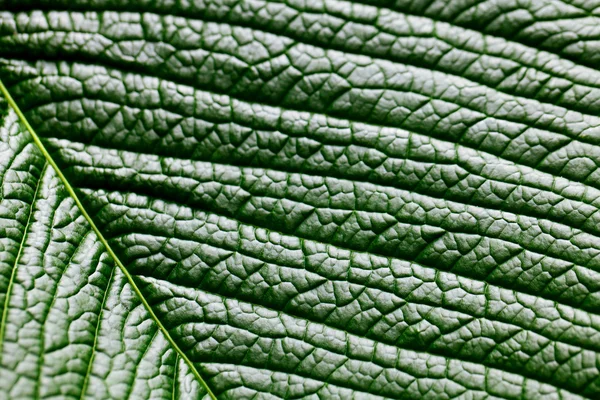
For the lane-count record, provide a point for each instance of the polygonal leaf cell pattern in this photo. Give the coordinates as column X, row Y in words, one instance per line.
column 300, row 199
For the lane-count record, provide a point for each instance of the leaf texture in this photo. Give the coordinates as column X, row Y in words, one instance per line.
column 261, row 199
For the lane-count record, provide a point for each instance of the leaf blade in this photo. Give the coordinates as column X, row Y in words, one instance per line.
column 428, row 207
column 99, row 235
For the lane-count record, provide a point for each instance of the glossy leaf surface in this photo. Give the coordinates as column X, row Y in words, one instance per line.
column 261, row 199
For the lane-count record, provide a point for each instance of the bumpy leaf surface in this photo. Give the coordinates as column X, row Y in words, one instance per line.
column 289, row 199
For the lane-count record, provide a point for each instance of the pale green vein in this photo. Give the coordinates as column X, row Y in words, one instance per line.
column 174, row 391
column 55, row 295
column 19, row 253
column 90, row 363
column 101, row 237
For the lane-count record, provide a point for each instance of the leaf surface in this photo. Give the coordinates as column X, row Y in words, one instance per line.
column 282, row 199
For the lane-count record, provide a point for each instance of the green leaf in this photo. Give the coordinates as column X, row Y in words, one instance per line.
column 260, row 199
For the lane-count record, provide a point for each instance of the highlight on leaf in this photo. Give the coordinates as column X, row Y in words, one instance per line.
column 328, row 199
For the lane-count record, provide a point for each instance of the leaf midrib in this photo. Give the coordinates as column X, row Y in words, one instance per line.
column 101, row 237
